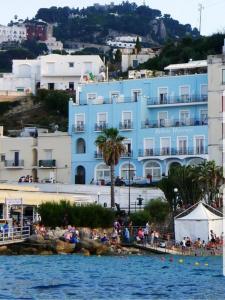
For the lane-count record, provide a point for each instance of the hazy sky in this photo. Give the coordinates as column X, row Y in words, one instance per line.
column 185, row 11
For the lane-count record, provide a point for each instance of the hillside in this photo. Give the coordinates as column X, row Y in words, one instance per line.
column 96, row 24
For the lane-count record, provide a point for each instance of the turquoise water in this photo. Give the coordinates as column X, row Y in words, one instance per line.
column 133, row 277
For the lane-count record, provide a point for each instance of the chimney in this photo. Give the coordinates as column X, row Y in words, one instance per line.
column 1, row 131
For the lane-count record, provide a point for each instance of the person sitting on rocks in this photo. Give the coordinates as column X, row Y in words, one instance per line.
column 140, row 235
column 115, row 236
column 104, row 239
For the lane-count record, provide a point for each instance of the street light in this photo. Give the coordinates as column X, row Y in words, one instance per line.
column 129, row 187
column 175, row 200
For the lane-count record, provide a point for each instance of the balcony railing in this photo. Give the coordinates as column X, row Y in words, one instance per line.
column 127, row 154
column 47, row 163
column 167, row 151
column 98, row 155
column 79, row 127
column 103, row 100
column 100, row 126
column 126, row 125
column 177, row 99
column 173, row 123
column 14, row 163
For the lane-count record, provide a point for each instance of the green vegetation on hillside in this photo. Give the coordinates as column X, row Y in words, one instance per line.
column 95, row 24
column 186, row 49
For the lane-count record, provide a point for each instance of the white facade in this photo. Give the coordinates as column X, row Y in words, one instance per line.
column 50, row 72
column 46, row 158
column 12, row 33
column 133, row 60
column 216, row 107
column 52, row 44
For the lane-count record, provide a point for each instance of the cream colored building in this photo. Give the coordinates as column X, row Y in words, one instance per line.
column 216, row 107
column 13, row 33
column 47, row 157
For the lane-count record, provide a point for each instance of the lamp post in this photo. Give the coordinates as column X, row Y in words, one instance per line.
column 129, row 187
column 175, row 200
column 98, row 196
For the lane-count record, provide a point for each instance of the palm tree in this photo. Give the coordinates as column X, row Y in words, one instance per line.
column 110, row 143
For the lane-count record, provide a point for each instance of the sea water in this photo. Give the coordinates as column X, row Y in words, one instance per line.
column 125, row 277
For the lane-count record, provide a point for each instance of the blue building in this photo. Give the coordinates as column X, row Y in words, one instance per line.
column 164, row 120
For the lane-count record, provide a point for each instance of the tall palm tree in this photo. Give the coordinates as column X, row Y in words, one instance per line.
column 110, row 143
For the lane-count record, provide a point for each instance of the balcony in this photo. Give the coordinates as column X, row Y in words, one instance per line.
column 98, row 155
column 167, row 151
column 173, row 123
column 14, row 164
column 100, row 126
column 78, row 128
column 47, row 163
column 126, row 125
column 177, row 100
column 103, row 100
column 127, row 154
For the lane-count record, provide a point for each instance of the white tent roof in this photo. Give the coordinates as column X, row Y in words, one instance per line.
column 190, row 65
column 200, row 213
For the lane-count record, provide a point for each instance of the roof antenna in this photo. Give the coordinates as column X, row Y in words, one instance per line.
column 200, row 9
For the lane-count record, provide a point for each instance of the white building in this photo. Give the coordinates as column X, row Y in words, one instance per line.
column 216, row 107
column 47, row 157
column 123, row 42
column 13, row 33
column 131, row 60
column 52, row 71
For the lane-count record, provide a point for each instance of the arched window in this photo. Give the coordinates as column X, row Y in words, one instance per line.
column 195, row 161
column 81, row 147
column 125, row 168
column 102, row 172
column 153, row 168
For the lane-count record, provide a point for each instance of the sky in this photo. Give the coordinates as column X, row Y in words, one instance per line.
column 185, row 11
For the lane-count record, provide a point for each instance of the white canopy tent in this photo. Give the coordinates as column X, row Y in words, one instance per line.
column 197, row 224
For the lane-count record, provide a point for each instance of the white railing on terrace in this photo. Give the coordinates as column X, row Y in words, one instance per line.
column 13, row 234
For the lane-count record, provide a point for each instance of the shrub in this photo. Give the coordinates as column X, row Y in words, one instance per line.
column 92, row 215
column 139, row 218
column 158, row 210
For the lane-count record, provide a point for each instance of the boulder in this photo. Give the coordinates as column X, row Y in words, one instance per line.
column 36, row 238
column 85, row 252
column 64, row 247
column 4, row 250
column 46, row 252
column 94, row 247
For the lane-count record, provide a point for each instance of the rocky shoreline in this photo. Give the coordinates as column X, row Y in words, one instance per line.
column 53, row 244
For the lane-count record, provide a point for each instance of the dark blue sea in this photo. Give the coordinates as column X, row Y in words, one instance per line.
column 132, row 277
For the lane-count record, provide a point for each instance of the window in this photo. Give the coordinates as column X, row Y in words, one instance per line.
column 92, row 97
column 153, row 169
column 199, row 145
column 165, row 146
column 102, row 119
column 128, row 149
column 71, row 86
column 204, row 92
column 126, row 119
column 184, row 117
column 182, row 145
column 127, row 171
column 204, row 116
column 162, row 118
column 184, row 93
column 79, row 122
column 81, row 147
column 115, row 96
column 223, row 76
column 148, row 147
column 71, row 65
column 135, row 95
column 48, row 154
column 2, row 157
column 163, row 95
column 102, row 172
column 135, row 63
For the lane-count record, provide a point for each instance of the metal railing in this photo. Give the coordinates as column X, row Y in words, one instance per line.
column 100, row 126
column 103, row 100
column 79, row 127
column 47, row 163
column 177, row 99
column 98, row 155
column 166, row 151
column 126, row 125
column 14, row 163
column 173, row 123
column 14, row 233
column 127, row 154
